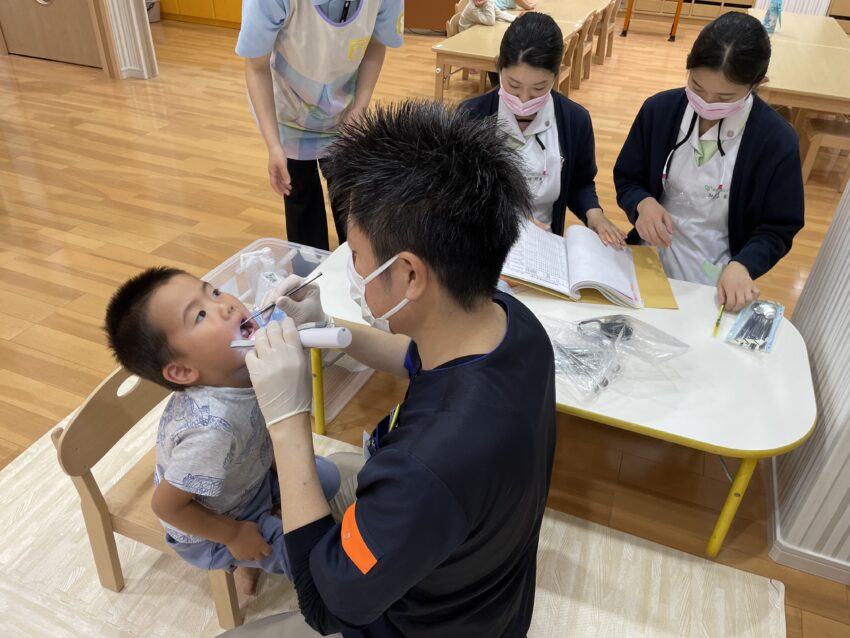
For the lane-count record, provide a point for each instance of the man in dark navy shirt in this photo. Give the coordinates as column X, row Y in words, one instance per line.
column 442, row 539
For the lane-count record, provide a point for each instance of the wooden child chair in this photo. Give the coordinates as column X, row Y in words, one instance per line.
column 453, row 28
column 106, row 416
column 829, row 133
column 605, row 32
column 570, row 44
column 584, row 50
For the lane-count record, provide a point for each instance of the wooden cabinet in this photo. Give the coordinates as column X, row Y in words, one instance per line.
column 197, row 8
column 700, row 9
column 220, row 12
column 428, row 14
column 647, row 6
column 706, row 9
column 228, row 10
column 669, row 7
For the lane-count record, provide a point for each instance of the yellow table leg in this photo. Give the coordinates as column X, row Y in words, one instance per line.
column 733, row 500
column 318, row 390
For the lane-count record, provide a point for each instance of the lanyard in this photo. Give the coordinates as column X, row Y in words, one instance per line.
column 344, row 16
column 665, row 171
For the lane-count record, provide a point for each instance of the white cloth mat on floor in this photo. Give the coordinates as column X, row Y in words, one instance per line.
column 592, row 581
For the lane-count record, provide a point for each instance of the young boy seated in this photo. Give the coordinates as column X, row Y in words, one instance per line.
column 482, row 12
column 216, row 487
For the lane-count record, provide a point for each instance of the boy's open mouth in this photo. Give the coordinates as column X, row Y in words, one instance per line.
column 248, row 329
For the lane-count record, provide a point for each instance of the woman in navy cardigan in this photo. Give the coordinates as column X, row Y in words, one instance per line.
column 710, row 173
column 553, row 135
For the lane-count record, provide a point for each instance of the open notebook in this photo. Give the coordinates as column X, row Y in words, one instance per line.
column 566, row 265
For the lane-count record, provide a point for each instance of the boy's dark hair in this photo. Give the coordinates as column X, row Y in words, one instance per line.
column 736, row 44
column 138, row 345
column 417, row 176
column 534, row 39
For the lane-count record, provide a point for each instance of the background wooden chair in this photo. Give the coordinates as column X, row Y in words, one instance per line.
column 452, row 28
column 570, row 44
column 108, row 414
column 820, row 132
column 584, row 50
column 605, row 32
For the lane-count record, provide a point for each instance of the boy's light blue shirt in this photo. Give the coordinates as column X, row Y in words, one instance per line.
column 506, row 5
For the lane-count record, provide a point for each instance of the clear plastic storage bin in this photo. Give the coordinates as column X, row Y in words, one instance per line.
column 343, row 377
column 289, row 258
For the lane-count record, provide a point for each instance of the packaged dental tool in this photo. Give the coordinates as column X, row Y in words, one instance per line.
column 634, row 337
column 585, row 363
column 756, row 326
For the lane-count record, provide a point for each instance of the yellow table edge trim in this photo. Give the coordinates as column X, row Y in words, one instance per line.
column 682, row 440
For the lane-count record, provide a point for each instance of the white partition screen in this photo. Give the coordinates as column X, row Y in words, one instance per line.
column 810, row 487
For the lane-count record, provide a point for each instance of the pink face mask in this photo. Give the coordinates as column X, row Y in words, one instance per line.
column 714, row 110
column 523, row 109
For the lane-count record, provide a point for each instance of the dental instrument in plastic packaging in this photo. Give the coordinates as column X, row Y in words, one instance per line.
column 756, row 326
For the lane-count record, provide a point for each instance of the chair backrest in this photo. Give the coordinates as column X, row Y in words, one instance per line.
column 570, row 45
column 452, row 25
column 585, row 34
column 104, row 418
column 591, row 21
column 610, row 20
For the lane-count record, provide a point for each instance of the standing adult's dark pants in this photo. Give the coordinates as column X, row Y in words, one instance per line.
column 306, row 220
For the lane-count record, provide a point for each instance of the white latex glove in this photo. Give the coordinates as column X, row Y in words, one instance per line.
column 305, row 306
column 280, row 372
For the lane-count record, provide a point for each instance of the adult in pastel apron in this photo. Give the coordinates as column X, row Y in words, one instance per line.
column 311, row 66
column 710, row 174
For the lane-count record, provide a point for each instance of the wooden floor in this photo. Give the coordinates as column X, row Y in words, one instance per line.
column 99, row 179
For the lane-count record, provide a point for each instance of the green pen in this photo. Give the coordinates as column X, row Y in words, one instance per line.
column 719, row 317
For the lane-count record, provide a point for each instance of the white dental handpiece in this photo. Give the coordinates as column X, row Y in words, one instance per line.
column 311, row 338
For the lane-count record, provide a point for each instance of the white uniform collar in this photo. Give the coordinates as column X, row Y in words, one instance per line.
column 544, row 120
column 731, row 128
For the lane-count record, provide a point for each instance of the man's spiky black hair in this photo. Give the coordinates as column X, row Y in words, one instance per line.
column 417, row 176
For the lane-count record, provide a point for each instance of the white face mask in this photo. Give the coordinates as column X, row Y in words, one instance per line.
column 358, row 294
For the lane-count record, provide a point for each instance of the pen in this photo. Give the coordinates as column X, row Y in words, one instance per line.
column 719, row 317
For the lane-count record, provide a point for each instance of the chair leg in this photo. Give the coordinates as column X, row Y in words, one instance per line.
column 813, row 147
column 609, row 50
column 464, row 74
column 482, row 81
column 101, row 536
column 226, row 601
column 599, row 57
column 843, row 185
column 575, row 72
column 587, row 62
